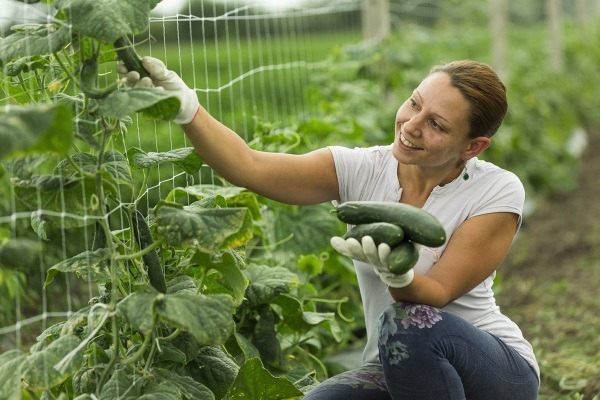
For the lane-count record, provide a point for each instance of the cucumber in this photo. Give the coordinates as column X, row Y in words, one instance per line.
column 418, row 225
column 381, row 232
column 403, row 257
column 142, row 234
column 128, row 55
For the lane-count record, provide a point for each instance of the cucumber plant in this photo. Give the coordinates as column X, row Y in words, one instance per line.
column 179, row 309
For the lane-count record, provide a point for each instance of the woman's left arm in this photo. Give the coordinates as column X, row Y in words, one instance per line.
column 474, row 252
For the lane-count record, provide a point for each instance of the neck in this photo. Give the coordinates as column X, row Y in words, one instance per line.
column 418, row 182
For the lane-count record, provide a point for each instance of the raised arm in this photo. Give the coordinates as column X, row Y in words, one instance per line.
column 295, row 179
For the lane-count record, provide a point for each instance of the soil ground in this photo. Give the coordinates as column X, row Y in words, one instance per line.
column 549, row 284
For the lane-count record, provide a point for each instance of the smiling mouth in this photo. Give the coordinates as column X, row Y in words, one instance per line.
column 408, row 144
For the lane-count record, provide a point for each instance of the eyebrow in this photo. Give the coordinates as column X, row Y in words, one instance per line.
column 436, row 114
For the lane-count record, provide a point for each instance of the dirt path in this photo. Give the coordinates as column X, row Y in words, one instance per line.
column 551, row 282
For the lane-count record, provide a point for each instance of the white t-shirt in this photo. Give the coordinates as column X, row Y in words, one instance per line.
column 372, row 174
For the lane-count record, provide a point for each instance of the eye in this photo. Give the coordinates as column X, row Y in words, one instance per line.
column 436, row 126
column 413, row 103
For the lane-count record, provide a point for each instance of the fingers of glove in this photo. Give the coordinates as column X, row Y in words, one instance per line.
column 356, row 250
column 369, row 249
column 132, row 78
column 156, row 68
column 384, row 251
column 340, row 245
column 145, row 82
column 122, row 69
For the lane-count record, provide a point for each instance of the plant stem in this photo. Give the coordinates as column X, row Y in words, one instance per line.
column 172, row 336
column 115, row 356
column 138, row 354
column 150, row 356
column 141, row 253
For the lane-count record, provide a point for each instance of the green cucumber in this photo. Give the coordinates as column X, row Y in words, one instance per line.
column 381, row 232
column 142, row 234
column 403, row 257
column 128, row 56
column 418, row 225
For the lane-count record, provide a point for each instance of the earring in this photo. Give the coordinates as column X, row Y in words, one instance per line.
column 466, row 176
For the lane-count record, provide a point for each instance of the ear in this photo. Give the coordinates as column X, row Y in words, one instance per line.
column 475, row 147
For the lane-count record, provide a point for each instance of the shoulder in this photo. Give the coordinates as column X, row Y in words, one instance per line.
column 373, row 151
column 496, row 185
column 361, row 155
column 485, row 173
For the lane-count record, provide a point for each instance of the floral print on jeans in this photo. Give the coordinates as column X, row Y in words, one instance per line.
column 408, row 314
column 368, row 377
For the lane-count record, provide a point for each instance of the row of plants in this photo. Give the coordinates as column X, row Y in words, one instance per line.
column 187, row 301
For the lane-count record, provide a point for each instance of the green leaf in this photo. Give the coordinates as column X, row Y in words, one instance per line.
column 170, row 354
column 45, row 39
column 294, row 315
column 209, row 229
column 122, row 385
column 235, row 196
column 185, row 158
column 216, row 369
column 115, row 167
column 25, row 64
column 24, row 167
column 36, row 129
column 256, row 383
column 93, row 266
column 266, row 283
column 151, row 102
column 20, row 252
column 207, row 318
column 39, row 372
column 185, row 385
column 138, row 308
column 182, row 284
column 248, row 349
column 164, row 390
column 11, row 365
column 107, row 20
column 310, row 264
column 229, row 267
column 266, row 341
column 188, row 345
column 61, row 202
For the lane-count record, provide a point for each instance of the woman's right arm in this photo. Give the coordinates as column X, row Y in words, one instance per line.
column 295, row 179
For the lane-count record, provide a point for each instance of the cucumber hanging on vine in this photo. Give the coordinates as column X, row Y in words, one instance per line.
column 130, row 58
column 143, row 236
column 99, row 241
column 88, row 80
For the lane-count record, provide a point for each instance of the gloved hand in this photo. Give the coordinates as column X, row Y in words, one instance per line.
column 161, row 77
column 368, row 252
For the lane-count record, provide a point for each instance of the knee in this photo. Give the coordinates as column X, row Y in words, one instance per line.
column 407, row 319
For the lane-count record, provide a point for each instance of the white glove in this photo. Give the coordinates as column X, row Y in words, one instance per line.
column 368, row 252
column 161, row 77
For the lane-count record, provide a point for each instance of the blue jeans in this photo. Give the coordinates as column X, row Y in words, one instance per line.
column 426, row 354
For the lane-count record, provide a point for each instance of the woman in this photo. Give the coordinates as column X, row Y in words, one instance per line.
column 435, row 332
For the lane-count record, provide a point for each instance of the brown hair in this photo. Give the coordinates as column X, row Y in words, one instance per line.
column 483, row 90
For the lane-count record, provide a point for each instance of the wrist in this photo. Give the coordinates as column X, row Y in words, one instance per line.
column 397, row 281
column 189, row 107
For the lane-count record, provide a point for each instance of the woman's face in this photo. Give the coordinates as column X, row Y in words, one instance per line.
column 432, row 125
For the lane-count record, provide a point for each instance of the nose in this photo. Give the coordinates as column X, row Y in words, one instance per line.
column 412, row 126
